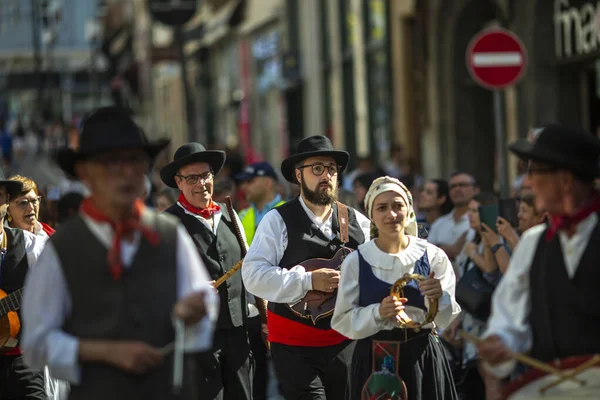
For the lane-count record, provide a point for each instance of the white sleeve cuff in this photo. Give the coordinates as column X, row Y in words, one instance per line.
column 63, row 356
column 307, row 282
column 199, row 337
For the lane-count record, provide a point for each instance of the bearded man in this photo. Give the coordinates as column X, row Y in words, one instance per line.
column 311, row 360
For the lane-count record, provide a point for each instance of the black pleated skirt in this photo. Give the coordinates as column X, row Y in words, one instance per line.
column 422, row 365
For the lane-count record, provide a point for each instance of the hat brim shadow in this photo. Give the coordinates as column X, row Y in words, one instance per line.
column 214, row 158
column 288, row 165
column 68, row 158
column 525, row 150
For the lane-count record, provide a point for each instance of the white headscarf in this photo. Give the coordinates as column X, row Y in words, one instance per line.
column 389, row 184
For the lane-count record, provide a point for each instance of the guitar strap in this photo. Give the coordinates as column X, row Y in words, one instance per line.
column 238, row 232
column 343, row 221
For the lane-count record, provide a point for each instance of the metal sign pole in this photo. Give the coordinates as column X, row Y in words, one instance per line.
column 501, row 148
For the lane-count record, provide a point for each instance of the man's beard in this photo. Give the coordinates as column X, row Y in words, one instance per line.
column 318, row 197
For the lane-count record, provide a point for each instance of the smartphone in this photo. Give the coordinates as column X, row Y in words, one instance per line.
column 489, row 215
column 509, row 211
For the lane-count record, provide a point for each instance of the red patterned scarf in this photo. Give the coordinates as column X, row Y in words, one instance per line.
column 122, row 229
column 205, row 213
column 563, row 222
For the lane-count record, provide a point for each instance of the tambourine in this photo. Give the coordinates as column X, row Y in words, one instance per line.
column 404, row 321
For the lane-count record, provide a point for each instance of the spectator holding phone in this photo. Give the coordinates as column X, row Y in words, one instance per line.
column 529, row 216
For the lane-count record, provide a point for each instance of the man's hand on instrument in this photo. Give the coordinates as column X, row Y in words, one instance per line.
column 134, row 357
column 493, row 350
column 390, row 307
column 431, row 288
column 325, row 279
column 191, row 308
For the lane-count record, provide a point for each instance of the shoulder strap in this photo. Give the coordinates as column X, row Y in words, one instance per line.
column 238, row 232
column 343, row 221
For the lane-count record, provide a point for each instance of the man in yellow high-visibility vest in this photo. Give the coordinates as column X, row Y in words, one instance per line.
column 259, row 183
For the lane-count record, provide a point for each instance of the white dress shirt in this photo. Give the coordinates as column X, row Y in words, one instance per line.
column 357, row 322
column 38, row 230
column 261, row 273
column 47, row 303
column 511, row 302
column 446, row 230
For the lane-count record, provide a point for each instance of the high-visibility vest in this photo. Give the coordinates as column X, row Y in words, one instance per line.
column 248, row 218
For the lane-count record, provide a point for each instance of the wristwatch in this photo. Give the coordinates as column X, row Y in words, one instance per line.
column 496, row 247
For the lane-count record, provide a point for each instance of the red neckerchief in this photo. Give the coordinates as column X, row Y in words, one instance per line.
column 562, row 222
column 121, row 229
column 205, row 213
column 47, row 228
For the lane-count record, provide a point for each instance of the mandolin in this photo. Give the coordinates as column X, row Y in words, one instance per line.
column 10, row 325
column 315, row 304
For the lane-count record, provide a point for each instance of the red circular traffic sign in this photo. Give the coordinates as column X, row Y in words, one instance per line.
column 496, row 58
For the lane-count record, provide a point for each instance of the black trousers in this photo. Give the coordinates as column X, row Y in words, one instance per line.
column 18, row 381
column 259, row 351
column 313, row 373
column 226, row 372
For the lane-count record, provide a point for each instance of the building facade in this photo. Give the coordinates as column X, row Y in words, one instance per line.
column 46, row 53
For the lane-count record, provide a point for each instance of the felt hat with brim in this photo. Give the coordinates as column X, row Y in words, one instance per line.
column 104, row 130
column 313, row 146
column 191, row 153
column 563, row 147
column 13, row 188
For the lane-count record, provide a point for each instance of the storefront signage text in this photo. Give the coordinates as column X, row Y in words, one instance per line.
column 576, row 28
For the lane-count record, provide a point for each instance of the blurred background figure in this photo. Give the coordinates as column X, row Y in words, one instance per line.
column 68, row 206
column 165, row 198
column 224, row 187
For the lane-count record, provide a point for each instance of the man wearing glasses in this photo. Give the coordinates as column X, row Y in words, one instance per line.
column 311, row 360
column 225, row 372
column 547, row 303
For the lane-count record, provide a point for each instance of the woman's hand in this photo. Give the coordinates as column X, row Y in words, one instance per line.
column 470, row 249
column 431, row 288
column 489, row 237
column 506, row 230
column 390, row 307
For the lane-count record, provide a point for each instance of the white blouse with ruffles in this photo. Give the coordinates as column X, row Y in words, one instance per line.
column 357, row 322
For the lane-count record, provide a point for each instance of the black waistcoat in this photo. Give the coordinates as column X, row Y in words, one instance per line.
column 15, row 265
column 136, row 307
column 565, row 312
column 219, row 253
column 306, row 241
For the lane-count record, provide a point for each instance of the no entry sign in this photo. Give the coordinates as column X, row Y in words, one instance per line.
column 496, row 58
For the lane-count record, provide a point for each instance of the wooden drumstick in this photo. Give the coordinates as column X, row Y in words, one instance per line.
column 529, row 361
column 572, row 374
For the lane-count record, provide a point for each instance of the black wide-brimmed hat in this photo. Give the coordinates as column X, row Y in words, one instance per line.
column 13, row 188
column 313, row 146
column 104, row 130
column 570, row 148
column 191, row 153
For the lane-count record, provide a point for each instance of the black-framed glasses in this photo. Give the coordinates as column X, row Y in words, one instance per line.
column 462, row 185
column 532, row 170
column 24, row 203
column 318, row 169
column 194, row 178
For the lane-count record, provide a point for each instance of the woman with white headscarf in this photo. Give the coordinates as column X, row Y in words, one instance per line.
column 366, row 312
